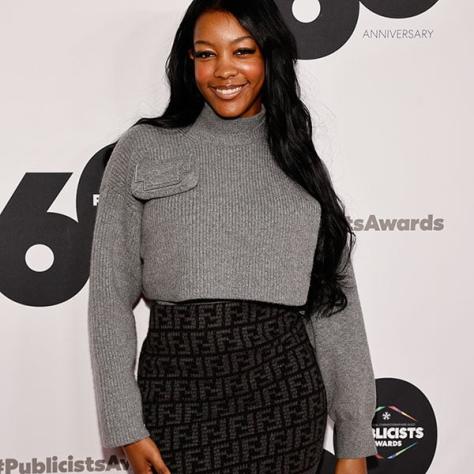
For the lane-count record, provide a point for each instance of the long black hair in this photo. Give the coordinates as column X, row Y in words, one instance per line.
column 289, row 132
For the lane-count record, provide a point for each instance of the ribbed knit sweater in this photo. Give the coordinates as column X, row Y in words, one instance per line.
column 205, row 212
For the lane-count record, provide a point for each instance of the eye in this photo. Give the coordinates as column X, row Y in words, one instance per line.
column 246, row 50
column 239, row 52
column 202, row 54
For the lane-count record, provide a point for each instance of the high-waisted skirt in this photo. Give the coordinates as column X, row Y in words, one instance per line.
column 232, row 386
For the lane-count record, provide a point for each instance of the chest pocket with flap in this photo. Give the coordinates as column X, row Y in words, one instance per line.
column 157, row 176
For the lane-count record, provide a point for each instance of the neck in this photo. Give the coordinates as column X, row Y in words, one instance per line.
column 211, row 127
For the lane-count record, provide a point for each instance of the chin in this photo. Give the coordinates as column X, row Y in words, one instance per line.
column 228, row 109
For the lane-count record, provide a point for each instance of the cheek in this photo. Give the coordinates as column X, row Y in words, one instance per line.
column 202, row 73
column 254, row 72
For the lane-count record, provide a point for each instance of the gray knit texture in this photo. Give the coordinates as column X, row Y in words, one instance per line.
column 205, row 212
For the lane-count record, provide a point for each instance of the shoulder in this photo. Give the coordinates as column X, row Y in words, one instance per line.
column 144, row 136
column 136, row 146
column 141, row 140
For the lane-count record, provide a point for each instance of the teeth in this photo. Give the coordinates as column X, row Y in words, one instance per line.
column 229, row 91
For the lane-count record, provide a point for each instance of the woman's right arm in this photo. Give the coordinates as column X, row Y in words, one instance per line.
column 114, row 287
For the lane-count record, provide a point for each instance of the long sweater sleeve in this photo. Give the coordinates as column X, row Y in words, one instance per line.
column 115, row 285
column 343, row 355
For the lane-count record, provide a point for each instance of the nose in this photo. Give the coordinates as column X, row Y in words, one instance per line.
column 225, row 67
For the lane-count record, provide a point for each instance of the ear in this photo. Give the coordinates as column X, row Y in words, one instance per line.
column 190, row 54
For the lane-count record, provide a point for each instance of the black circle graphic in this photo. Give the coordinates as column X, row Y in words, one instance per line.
column 398, row 8
column 405, row 429
column 327, row 33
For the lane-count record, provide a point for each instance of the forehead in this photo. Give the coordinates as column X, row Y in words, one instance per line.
column 218, row 27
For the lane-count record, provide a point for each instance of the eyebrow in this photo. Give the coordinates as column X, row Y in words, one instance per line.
column 233, row 41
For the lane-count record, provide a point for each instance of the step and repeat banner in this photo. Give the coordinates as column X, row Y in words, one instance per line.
column 389, row 86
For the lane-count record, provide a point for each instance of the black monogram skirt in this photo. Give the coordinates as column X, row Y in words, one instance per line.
column 232, row 386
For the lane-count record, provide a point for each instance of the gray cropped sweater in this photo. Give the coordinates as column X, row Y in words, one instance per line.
column 204, row 212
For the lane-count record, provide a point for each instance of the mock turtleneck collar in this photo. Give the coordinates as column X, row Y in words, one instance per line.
column 211, row 127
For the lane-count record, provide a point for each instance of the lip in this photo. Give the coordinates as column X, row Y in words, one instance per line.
column 228, row 96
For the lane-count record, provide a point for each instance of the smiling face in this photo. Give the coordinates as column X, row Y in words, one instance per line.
column 229, row 67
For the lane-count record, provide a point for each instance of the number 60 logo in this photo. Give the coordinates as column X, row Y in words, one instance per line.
column 337, row 21
column 25, row 222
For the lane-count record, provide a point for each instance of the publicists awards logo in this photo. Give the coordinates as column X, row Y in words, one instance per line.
column 404, row 427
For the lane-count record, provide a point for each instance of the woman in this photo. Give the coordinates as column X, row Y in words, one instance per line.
column 222, row 214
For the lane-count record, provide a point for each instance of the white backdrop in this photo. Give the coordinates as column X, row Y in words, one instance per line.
column 393, row 121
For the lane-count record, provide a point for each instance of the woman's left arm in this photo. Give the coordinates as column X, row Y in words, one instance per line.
column 351, row 466
column 343, row 356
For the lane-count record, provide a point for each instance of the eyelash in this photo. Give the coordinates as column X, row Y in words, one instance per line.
column 200, row 54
